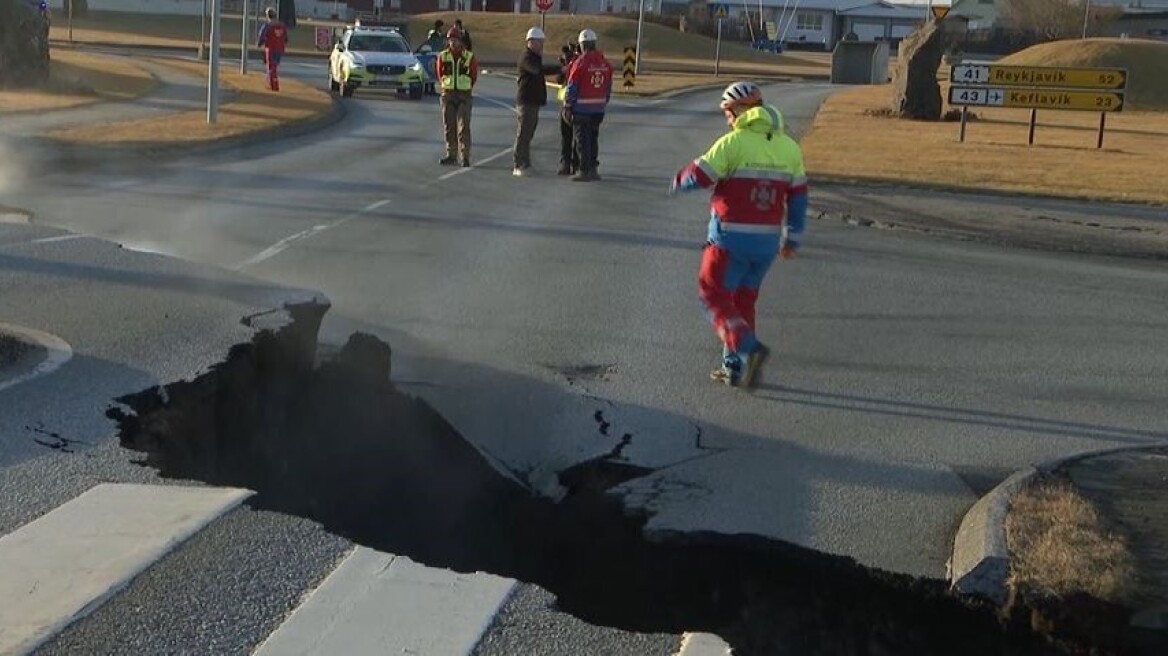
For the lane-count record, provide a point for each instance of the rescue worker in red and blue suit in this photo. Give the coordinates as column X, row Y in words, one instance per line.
column 759, row 184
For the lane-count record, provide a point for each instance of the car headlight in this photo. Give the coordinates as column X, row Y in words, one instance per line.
column 417, row 66
column 356, row 65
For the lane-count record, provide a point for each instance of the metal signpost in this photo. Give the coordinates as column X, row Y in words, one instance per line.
column 721, row 11
column 243, row 43
column 543, row 6
column 1038, row 87
column 213, row 67
column 637, row 50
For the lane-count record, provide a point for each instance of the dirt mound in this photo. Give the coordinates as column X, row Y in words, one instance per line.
column 1146, row 63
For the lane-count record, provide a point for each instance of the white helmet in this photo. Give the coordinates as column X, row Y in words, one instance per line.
column 534, row 33
column 741, row 92
column 587, row 36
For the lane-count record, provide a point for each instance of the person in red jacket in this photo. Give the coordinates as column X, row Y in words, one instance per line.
column 587, row 94
column 273, row 39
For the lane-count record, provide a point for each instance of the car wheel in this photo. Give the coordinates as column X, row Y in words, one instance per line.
column 347, row 91
column 416, row 92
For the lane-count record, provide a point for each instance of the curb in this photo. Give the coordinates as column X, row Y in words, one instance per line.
column 57, row 353
column 885, row 183
column 980, row 563
column 74, row 157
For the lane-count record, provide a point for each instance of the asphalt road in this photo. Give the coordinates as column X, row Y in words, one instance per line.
column 910, row 374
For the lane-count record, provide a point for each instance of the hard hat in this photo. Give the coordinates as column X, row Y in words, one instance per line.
column 454, row 33
column 741, row 93
column 587, row 36
column 534, row 33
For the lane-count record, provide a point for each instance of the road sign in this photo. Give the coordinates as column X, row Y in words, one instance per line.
column 940, row 12
column 544, row 5
column 721, row 11
column 1092, row 101
column 1039, row 76
column 630, row 67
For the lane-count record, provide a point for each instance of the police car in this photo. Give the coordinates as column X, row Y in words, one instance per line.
column 376, row 56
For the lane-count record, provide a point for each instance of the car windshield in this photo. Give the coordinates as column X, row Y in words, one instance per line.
column 378, row 43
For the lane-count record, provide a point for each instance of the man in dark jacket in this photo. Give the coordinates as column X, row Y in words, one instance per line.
column 530, row 97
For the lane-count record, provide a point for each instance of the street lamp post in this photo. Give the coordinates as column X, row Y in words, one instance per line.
column 243, row 42
column 202, row 31
column 1086, row 16
column 640, row 24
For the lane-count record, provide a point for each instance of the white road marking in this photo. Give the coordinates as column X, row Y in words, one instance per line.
column 703, row 644
column 52, row 240
column 59, row 352
column 500, row 103
column 460, row 171
column 60, row 567
column 283, row 245
column 376, row 603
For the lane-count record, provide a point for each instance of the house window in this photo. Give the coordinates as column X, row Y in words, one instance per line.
column 809, row 22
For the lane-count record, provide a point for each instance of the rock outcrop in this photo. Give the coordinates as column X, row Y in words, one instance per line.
column 916, row 93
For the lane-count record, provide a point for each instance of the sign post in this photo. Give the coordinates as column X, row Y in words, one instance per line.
column 243, row 42
column 640, row 25
column 1100, row 90
column 630, row 68
column 721, row 11
column 213, row 67
column 543, row 6
column 718, row 49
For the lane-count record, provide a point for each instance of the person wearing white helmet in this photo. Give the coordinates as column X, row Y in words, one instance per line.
column 530, row 97
column 585, row 99
column 758, row 210
column 740, row 97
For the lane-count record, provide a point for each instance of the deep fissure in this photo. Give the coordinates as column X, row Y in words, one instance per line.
column 336, row 442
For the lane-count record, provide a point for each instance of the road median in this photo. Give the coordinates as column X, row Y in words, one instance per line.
column 253, row 113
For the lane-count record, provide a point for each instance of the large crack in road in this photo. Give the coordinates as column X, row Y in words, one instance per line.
column 336, row 442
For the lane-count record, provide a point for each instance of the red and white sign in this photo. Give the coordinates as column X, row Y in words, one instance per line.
column 544, row 5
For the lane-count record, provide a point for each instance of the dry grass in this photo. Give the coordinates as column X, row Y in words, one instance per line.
column 1146, row 62
column 159, row 30
column 649, row 84
column 254, row 109
column 845, row 142
column 78, row 78
column 499, row 37
column 1059, row 544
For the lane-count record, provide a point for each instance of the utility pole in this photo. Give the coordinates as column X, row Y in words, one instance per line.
column 1086, row 16
column 213, row 67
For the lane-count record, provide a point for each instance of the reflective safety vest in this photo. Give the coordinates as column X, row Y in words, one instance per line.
column 456, row 72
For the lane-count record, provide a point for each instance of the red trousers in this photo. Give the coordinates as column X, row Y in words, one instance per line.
column 272, row 60
column 728, row 285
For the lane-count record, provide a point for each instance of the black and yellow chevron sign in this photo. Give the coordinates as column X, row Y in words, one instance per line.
column 630, row 67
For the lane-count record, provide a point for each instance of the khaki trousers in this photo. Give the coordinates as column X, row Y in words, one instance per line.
column 456, row 106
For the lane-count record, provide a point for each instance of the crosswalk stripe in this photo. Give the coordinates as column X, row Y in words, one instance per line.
column 59, row 567
column 703, row 644
column 377, row 603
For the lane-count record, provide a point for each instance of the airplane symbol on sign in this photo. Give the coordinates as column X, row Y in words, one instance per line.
column 995, row 96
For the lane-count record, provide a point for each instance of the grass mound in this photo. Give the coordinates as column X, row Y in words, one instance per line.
column 1146, row 62
column 497, row 35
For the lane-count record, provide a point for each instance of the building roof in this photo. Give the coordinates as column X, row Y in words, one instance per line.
column 885, row 10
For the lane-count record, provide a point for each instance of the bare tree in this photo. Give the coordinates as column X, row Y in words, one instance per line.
column 1058, row 19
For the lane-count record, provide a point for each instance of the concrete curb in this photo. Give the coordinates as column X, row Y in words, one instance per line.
column 880, row 183
column 56, row 353
column 74, row 157
column 980, row 563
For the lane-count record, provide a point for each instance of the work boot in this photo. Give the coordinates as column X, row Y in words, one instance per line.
column 582, row 176
column 465, row 163
column 726, row 375
column 449, row 160
column 754, row 362
column 565, row 169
